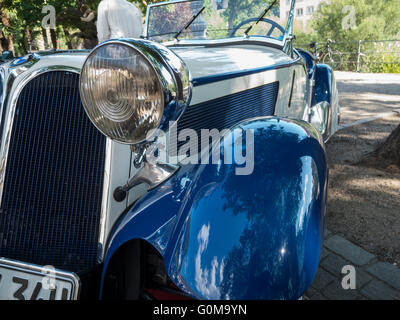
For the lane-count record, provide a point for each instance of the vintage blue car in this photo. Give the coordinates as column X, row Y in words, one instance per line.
column 189, row 163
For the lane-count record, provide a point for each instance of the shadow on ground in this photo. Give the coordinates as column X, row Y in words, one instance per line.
column 364, row 203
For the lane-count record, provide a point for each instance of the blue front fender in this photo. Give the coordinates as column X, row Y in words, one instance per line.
column 226, row 236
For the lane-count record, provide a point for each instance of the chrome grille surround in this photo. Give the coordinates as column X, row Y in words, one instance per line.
column 15, row 80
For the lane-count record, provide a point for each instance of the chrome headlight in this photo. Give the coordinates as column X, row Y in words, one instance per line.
column 130, row 87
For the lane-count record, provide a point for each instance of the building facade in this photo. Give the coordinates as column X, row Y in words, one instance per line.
column 304, row 11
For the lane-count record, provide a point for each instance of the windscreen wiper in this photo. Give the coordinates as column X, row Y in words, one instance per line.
column 261, row 17
column 189, row 23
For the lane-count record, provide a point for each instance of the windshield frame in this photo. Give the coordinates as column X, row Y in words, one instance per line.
column 282, row 43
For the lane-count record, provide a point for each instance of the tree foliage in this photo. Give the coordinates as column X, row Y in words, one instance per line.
column 348, row 21
column 374, row 20
column 237, row 11
column 20, row 23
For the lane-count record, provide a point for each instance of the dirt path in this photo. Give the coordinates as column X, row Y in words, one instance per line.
column 366, row 95
column 364, row 203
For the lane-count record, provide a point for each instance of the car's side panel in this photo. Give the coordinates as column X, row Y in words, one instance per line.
column 324, row 99
column 209, row 64
column 310, row 60
column 227, row 236
column 297, row 107
column 325, row 108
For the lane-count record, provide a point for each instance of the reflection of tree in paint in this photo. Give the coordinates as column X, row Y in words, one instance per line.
column 254, row 237
column 275, row 185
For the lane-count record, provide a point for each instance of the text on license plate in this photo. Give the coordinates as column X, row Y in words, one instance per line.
column 20, row 281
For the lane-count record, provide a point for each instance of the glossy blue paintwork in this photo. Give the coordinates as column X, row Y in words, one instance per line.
column 323, row 95
column 224, row 236
column 310, row 61
column 323, row 84
column 20, row 61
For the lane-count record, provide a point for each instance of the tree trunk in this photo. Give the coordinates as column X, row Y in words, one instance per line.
column 27, row 38
column 67, row 38
column 45, row 39
column 53, row 37
column 11, row 44
column 3, row 42
column 6, row 42
column 387, row 154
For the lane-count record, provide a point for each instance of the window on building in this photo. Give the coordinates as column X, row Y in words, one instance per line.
column 299, row 12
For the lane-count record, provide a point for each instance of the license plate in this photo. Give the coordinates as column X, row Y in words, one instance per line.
column 22, row 281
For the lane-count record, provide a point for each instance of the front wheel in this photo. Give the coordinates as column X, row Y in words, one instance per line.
column 333, row 59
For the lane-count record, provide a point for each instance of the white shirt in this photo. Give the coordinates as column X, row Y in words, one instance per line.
column 118, row 19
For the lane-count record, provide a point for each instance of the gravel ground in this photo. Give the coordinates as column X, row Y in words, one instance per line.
column 364, row 203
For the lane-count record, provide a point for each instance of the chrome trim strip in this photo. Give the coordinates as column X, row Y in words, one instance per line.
column 288, row 37
column 9, row 110
column 235, row 74
column 104, row 202
column 271, row 42
column 24, row 267
column 2, row 87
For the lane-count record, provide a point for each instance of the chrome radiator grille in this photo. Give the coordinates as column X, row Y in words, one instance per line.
column 51, row 202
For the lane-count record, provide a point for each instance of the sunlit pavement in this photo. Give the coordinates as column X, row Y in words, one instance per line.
column 375, row 280
column 363, row 97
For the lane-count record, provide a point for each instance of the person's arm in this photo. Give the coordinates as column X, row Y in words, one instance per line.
column 103, row 29
column 89, row 17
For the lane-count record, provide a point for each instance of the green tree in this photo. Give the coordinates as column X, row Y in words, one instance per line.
column 6, row 39
column 374, row 20
column 20, row 23
column 238, row 11
column 348, row 21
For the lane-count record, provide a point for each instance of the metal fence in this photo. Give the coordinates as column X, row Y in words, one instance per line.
column 376, row 56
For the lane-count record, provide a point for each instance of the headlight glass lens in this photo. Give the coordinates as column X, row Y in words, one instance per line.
column 121, row 93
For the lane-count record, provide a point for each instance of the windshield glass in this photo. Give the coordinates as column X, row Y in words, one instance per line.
column 219, row 19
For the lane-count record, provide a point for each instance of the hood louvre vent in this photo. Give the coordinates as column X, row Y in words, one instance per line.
column 225, row 112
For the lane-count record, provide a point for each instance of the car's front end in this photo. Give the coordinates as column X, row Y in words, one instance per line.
column 108, row 188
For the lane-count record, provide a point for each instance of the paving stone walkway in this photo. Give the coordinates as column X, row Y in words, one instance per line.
column 375, row 280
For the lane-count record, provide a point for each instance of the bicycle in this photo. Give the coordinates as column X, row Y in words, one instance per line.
column 332, row 58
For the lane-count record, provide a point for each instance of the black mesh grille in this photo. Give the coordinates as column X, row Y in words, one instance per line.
column 224, row 112
column 52, row 194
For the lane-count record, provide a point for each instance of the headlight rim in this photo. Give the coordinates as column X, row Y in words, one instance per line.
column 168, row 75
